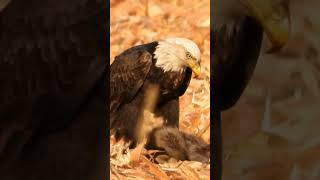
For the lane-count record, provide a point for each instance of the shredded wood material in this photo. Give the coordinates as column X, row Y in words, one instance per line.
column 273, row 131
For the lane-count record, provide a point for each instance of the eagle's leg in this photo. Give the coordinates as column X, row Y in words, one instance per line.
column 126, row 120
column 124, row 124
column 169, row 112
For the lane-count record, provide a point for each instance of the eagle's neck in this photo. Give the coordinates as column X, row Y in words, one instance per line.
column 170, row 57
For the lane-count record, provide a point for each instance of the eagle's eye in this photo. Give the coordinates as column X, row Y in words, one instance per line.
column 189, row 56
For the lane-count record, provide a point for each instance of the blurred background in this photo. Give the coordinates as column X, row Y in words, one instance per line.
column 273, row 131
column 135, row 22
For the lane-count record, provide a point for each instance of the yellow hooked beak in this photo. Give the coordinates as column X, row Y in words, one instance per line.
column 195, row 66
column 274, row 19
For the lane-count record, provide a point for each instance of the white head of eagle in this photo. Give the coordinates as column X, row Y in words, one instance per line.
column 176, row 54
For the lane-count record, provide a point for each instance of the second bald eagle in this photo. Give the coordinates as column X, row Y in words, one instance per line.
column 168, row 63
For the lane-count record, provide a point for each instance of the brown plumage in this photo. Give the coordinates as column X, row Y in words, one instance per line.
column 238, row 30
column 168, row 64
column 53, row 84
column 130, row 74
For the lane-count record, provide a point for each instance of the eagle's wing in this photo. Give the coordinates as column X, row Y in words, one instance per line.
column 53, row 77
column 127, row 75
column 233, row 63
column 52, row 54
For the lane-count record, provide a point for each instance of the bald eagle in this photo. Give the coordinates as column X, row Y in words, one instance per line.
column 167, row 63
column 238, row 27
column 53, row 74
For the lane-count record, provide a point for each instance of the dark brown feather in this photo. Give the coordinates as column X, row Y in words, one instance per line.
column 234, row 61
column 131, row 73
column 52, row 72
column 128, row 72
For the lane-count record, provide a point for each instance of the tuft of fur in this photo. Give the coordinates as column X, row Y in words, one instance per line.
column 180, row 145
